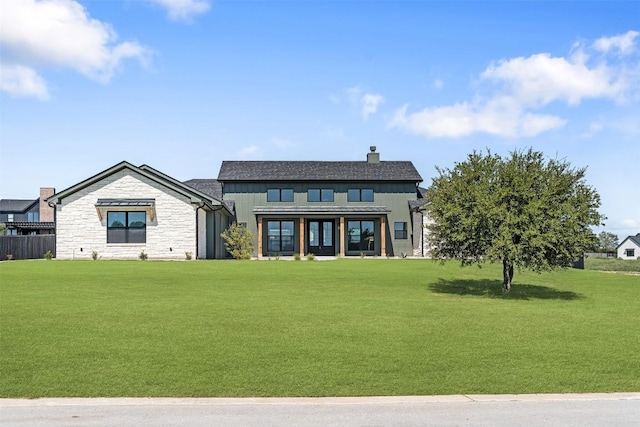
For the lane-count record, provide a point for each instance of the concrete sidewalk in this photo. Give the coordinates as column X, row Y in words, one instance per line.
column 600, row 409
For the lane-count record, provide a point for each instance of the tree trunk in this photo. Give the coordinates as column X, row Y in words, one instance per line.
column 507, row 274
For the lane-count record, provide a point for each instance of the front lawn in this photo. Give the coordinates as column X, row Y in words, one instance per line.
column 288, row 328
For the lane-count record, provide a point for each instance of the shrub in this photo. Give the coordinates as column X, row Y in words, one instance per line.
column 48, row 255
column 143, row 256
column 94, row 255
column 9, row 257
column 311, row 257
column 403, row 255
column 362, row 255
column 296, row 257
column 238, row 241
column 188, row 255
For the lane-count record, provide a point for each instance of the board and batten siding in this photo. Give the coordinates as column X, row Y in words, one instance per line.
column 170, row 234
column 393, row 195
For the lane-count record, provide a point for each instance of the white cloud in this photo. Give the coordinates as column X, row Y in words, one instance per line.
column 282, row 144
column 184, row 10
column 518, row 87
column 370, row 103
column 249, row 152
column 624, row 43
column 438, row 84
column 60, row 33
column 366, row 103
column 17, row 80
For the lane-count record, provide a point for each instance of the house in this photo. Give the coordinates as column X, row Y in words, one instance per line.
column 629, row 248
column 28, row 217
column 332, row 208
column 421, row 220
column 126, row 209
column 326, row 208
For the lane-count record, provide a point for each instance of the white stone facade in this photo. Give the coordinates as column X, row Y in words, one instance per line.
column 169, row 235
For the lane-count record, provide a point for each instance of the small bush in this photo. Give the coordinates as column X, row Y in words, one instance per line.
column 403, row 255
column 362, row 255
column 9, row 257
column 48, row 255
column 143, row 256
column 311, row 257
column 238, row 241
column 188, row 255
column 296, row 257
column 94, row 255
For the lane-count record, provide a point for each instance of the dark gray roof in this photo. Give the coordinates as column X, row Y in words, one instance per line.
column 317, row 171
column 13, row 205
column 30, row 225
column 210, row 187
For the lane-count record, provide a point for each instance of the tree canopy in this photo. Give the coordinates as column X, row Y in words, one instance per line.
column 522, row 210
column 607, row 242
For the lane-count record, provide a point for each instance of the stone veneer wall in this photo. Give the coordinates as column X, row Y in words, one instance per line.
column 169, row 235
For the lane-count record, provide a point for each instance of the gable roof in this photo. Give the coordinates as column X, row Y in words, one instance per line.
column 212, row 188
column 635, row 239
column 318, row 171
column 14, row 205
column 146, row 171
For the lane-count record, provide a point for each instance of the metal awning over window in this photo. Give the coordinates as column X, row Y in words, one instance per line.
column 323, row 210
column 147, row 205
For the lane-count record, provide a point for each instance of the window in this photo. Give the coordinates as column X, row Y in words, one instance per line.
column 280, row 236
column 33, row 217
column 126, row 227
column 361, row 236
column 9, row 217
column 280, row 195
column 629, row 252
column 320, row 195
column 360, row 195
column 400, row 229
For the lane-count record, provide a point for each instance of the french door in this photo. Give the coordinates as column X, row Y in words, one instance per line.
column 320, row 240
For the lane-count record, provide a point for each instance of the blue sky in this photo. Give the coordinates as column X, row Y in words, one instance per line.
column 183, row 84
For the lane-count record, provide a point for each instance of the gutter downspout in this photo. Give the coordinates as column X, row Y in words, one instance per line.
column 202, row 204
column 55, row 226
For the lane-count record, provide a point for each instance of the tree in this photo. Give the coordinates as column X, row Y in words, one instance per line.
column 522, row 210
column 607, row 242
column 238, row 241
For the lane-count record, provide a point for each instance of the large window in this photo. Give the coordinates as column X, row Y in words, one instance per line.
column 126, row 227
column 280, row 195
column 629, row 252
column 361, row 236
column 280, row 236
column 400, row 229
column 33, row 217
column 360, row 195
column 320, row 195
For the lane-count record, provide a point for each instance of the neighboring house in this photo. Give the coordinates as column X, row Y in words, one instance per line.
column 345, row 208
column 126, row 209
column 28, row 217
column 629, row 248
column 291, row 207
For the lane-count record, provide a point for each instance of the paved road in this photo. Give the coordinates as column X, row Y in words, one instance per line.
column 615, row 409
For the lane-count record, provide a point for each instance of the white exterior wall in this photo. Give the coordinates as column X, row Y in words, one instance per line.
column 628, row 244
column 421, row 233
column 80, row 231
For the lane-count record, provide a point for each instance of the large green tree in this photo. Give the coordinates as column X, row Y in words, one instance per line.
column 523, row 211
column 607, row 242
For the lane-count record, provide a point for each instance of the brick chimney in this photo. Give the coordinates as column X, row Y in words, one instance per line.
column 46, row 211
column 373, row 157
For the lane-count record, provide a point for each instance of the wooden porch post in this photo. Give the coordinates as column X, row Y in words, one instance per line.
column 383, row 236
column 259, row 236
column 341, row 249
column 301, row 237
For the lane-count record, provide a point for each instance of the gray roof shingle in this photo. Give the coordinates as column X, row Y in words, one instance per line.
column 210, row 187
column 13, row 205
column 318, row 171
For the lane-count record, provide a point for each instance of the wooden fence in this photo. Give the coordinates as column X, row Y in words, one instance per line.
column 27, row 247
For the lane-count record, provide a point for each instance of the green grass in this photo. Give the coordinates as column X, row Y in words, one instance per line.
column 283, row 328
column 612, row 264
